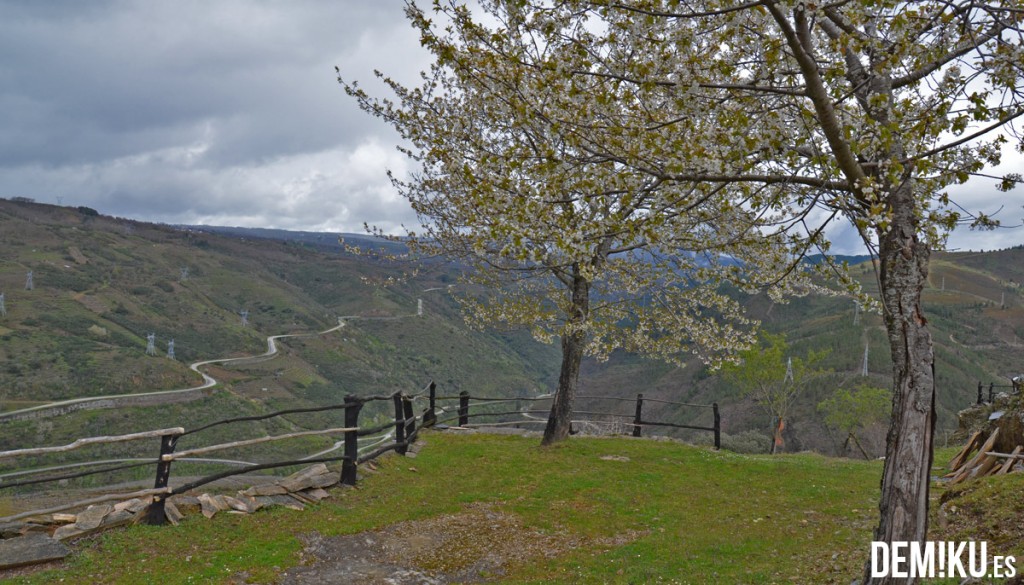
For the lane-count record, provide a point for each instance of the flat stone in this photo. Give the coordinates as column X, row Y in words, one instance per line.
column 317, row 494
column 173, row 514
column 266, row 490
column 117, row 518
column 12, row 529
column 288, row 502
column 209, row 506
column 186, row 504
column 29, row 550
column 134, row 505
column 92, row 516
column 65, row 518
column 67, row 531
column 236, row 504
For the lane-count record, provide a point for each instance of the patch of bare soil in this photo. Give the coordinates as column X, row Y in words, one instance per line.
column 469, row 547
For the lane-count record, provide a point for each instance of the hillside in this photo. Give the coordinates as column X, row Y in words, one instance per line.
column 101, row 285
column 976, row 316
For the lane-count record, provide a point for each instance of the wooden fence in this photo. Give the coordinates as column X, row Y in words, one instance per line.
column 992, row 391
column 526, row 415
column 397, row 434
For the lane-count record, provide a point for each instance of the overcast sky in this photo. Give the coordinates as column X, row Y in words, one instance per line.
column 228, row 112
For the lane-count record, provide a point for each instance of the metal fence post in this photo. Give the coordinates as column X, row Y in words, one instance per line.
column 399, row 424
column 156, row 514
column 463, row 408
column 718, row 426
column 991, row 392
column 353, row 404
column 979, row 392
column 636, row 419
column 430, row 417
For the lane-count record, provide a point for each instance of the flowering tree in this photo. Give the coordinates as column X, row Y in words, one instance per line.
column 860, row 110
column 514, row 180
column 774, row 379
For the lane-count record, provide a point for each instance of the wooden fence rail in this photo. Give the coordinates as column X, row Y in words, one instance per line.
column 991, row 391
column 395, row 435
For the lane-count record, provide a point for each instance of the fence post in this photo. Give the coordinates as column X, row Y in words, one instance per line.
column 718, row 426
column 430, row 417
column 399, row 424
column 979, row 392
column 636, row 419
column 991, row 392
column 410, row 418
column 156, row 515
column 353, row 404
column 463, row 408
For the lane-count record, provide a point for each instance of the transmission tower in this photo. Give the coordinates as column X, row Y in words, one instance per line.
column 864, row 367
column 170, row 349
column 3, row 309
column 419, row 307
column 856, row 312
column 789, row 371
column 29, row 285
column 245, row 317
column 151, row 344
column 184, row 273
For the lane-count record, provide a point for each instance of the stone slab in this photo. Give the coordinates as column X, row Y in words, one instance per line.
column 29, row 550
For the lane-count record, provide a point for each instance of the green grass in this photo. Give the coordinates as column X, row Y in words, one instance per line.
column 683, row 514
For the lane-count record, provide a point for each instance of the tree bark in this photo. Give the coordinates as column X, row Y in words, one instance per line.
column 905, row 480
column 573, row 344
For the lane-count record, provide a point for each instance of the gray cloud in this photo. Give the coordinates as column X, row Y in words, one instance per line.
column 191, row 111
column 224, row 112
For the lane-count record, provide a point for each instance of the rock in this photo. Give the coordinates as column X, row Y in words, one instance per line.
column 67, row 531
column 317, row 494
column 12, row 529
column 266, row 490
column 117, row 518
column 133, row 505
column 314, row 476
column 29, row 550
column 92, row 516
column 236, row 504
column 174, row 516
column 65, row 518
column 288, row 502
column 209, row 505
column 186, row 504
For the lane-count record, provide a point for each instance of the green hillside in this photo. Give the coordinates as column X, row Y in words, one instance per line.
column 102, row 284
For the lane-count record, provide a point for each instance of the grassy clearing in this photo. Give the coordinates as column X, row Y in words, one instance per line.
column 690, row 515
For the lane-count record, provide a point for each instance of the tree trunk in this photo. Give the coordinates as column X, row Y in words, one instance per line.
column 905, row 480
column 859, row 447
column 573, row 343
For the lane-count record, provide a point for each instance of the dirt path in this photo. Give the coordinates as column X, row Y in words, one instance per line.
column 472, row 546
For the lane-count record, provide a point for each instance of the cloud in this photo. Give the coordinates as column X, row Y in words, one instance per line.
column 229, row 113
column 190, row 111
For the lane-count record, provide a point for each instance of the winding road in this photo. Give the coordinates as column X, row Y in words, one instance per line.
column 208, row 381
